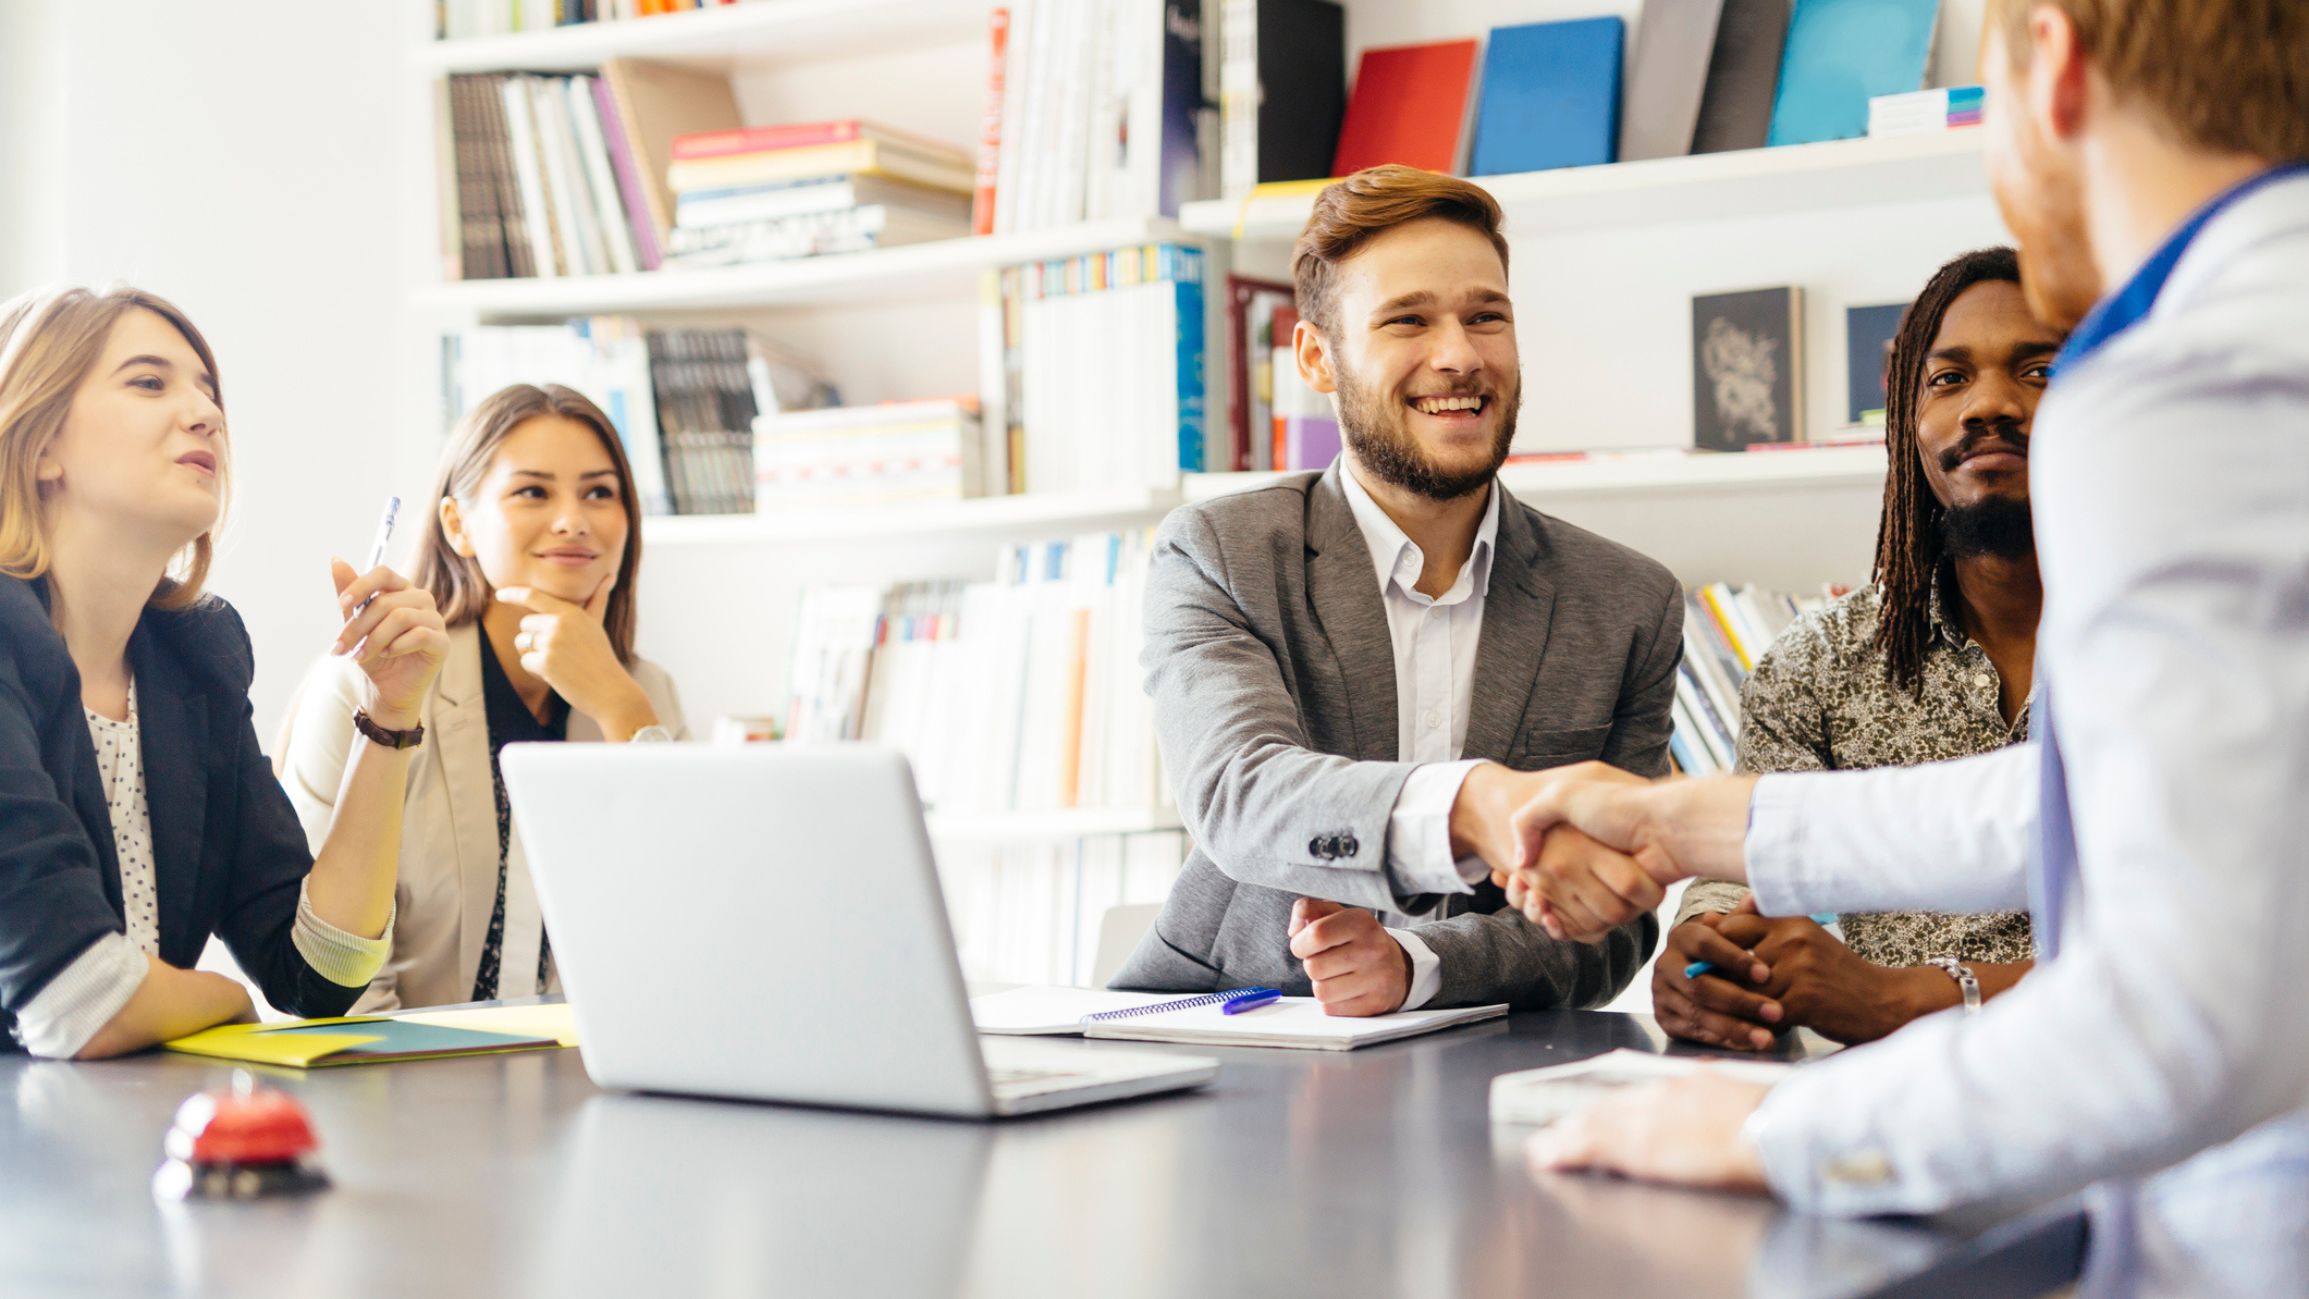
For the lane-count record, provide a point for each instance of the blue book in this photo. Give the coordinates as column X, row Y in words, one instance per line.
column 1841, row 53
column 1550, row 97
column 1183, row 267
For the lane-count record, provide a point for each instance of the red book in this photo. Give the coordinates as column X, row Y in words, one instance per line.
column 990, row 132
column 798, row 135
column 1409, row 106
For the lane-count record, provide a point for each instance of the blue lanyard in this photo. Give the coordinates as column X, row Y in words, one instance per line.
column 2126, row 307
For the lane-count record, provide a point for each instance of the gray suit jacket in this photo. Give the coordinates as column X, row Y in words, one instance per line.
column 1273, row 676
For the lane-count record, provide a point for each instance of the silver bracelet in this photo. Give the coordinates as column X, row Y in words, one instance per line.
column 1965, row 982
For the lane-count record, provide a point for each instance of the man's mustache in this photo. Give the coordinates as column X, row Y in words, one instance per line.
column 2008, row 433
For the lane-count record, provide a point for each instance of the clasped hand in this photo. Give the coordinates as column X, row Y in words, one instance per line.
column 1585, row 862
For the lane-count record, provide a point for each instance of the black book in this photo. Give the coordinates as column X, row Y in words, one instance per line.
column 1747, row 368
column 1743, row 76
column 1302, row 60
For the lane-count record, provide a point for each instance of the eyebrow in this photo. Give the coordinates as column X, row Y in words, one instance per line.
column 1423, row 297
column 539, row 473
column 1959, row 352
column 204, row 378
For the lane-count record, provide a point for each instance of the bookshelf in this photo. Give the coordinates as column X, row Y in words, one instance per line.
column 760, row 33
column 946, row 269
column 1706, row 187
column 1606, row 261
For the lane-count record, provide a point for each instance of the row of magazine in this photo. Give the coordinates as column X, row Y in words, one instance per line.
column 1021, row 693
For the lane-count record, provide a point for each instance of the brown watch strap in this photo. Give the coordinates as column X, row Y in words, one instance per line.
column 408, row 739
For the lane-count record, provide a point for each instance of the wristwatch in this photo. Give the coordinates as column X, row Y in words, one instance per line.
column 408, row 739
column 1962, row 973
column 650, row 735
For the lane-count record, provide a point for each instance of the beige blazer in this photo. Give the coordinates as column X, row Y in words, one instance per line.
column 448, row 869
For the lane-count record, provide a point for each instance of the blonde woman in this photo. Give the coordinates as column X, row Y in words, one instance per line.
column 532, row 553
column 138, row 816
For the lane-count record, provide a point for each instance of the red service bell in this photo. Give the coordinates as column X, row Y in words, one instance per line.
column 239, row 1144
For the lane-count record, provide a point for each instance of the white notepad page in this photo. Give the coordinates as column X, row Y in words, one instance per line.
column 1541, row 1096
column 1297, row 1022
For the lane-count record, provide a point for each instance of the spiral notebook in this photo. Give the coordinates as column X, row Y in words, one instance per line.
column 1167, row 1017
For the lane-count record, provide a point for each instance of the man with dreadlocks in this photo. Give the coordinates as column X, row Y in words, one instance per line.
column 1931, row 661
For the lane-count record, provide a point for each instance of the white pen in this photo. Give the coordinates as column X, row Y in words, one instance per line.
column 377, row 549
column 384, row 532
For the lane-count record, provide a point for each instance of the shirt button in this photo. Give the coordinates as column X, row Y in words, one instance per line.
column 1433, row 718
column 1315, row 847
column 1981, row 681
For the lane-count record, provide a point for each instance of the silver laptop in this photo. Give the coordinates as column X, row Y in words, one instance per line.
column 765, row 923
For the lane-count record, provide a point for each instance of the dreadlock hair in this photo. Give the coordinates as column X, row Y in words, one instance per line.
column 1908, row 544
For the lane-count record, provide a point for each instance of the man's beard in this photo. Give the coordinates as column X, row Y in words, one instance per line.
column 1996, row 527
column 1377, row 431
column 2044, row 207
column 1993, row 527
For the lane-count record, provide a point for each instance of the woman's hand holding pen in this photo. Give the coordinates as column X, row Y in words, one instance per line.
column 566, row 646
column 395, row 633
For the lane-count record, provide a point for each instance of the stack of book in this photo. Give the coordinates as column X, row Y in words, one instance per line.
column 460, row 19
column 1924, row 112
column 769, row 193
column 1726, row 630
column 538, row 179
column 683, row 400
column 1095, row 112
column 893, row 454
column 1018, row 694
column 1093, row 367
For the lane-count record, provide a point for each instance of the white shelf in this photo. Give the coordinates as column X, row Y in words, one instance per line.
column 1061, row 825
column 1647, row 473
column 910, row 273
column 1641, row 474
column 1710, row 186
column 754, row 32
column 1044, row 515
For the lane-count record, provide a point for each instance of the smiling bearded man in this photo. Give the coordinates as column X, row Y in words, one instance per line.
column 1356, row 672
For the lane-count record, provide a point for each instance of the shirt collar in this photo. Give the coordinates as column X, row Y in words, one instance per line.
column 1397, row 560
column 2131, row 303
column 1937, row 611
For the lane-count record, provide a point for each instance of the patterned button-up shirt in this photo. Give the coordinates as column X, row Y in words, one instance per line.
column 1819, row 701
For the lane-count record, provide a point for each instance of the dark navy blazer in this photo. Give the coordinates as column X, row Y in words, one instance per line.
column 228, row 854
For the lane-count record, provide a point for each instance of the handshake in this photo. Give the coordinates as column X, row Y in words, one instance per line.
column 1584, row 849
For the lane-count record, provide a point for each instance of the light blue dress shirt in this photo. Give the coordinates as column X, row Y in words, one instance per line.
column 2163, row 1055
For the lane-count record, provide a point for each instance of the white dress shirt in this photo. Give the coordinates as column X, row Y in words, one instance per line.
column 1435, row 641
column 2169, row 1039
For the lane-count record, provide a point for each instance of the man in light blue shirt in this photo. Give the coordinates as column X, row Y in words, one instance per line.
column 2147, row 154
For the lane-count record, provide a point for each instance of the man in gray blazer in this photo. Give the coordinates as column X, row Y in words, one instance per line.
column 1353, row 671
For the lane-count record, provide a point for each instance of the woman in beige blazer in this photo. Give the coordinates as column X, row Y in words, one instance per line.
column 532, row 553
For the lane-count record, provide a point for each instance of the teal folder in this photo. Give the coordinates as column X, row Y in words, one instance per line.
column 1842, row 53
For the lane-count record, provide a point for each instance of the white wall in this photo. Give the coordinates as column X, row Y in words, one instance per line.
column 243, row 161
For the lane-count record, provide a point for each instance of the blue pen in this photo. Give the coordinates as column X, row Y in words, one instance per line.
column 1698, row 968
column 1251, row 999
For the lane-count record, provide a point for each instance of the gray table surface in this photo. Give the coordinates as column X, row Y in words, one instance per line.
column 1296, row 1173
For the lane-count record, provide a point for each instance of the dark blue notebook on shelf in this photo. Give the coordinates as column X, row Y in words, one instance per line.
column 1842, row 53
column 1550, row 97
